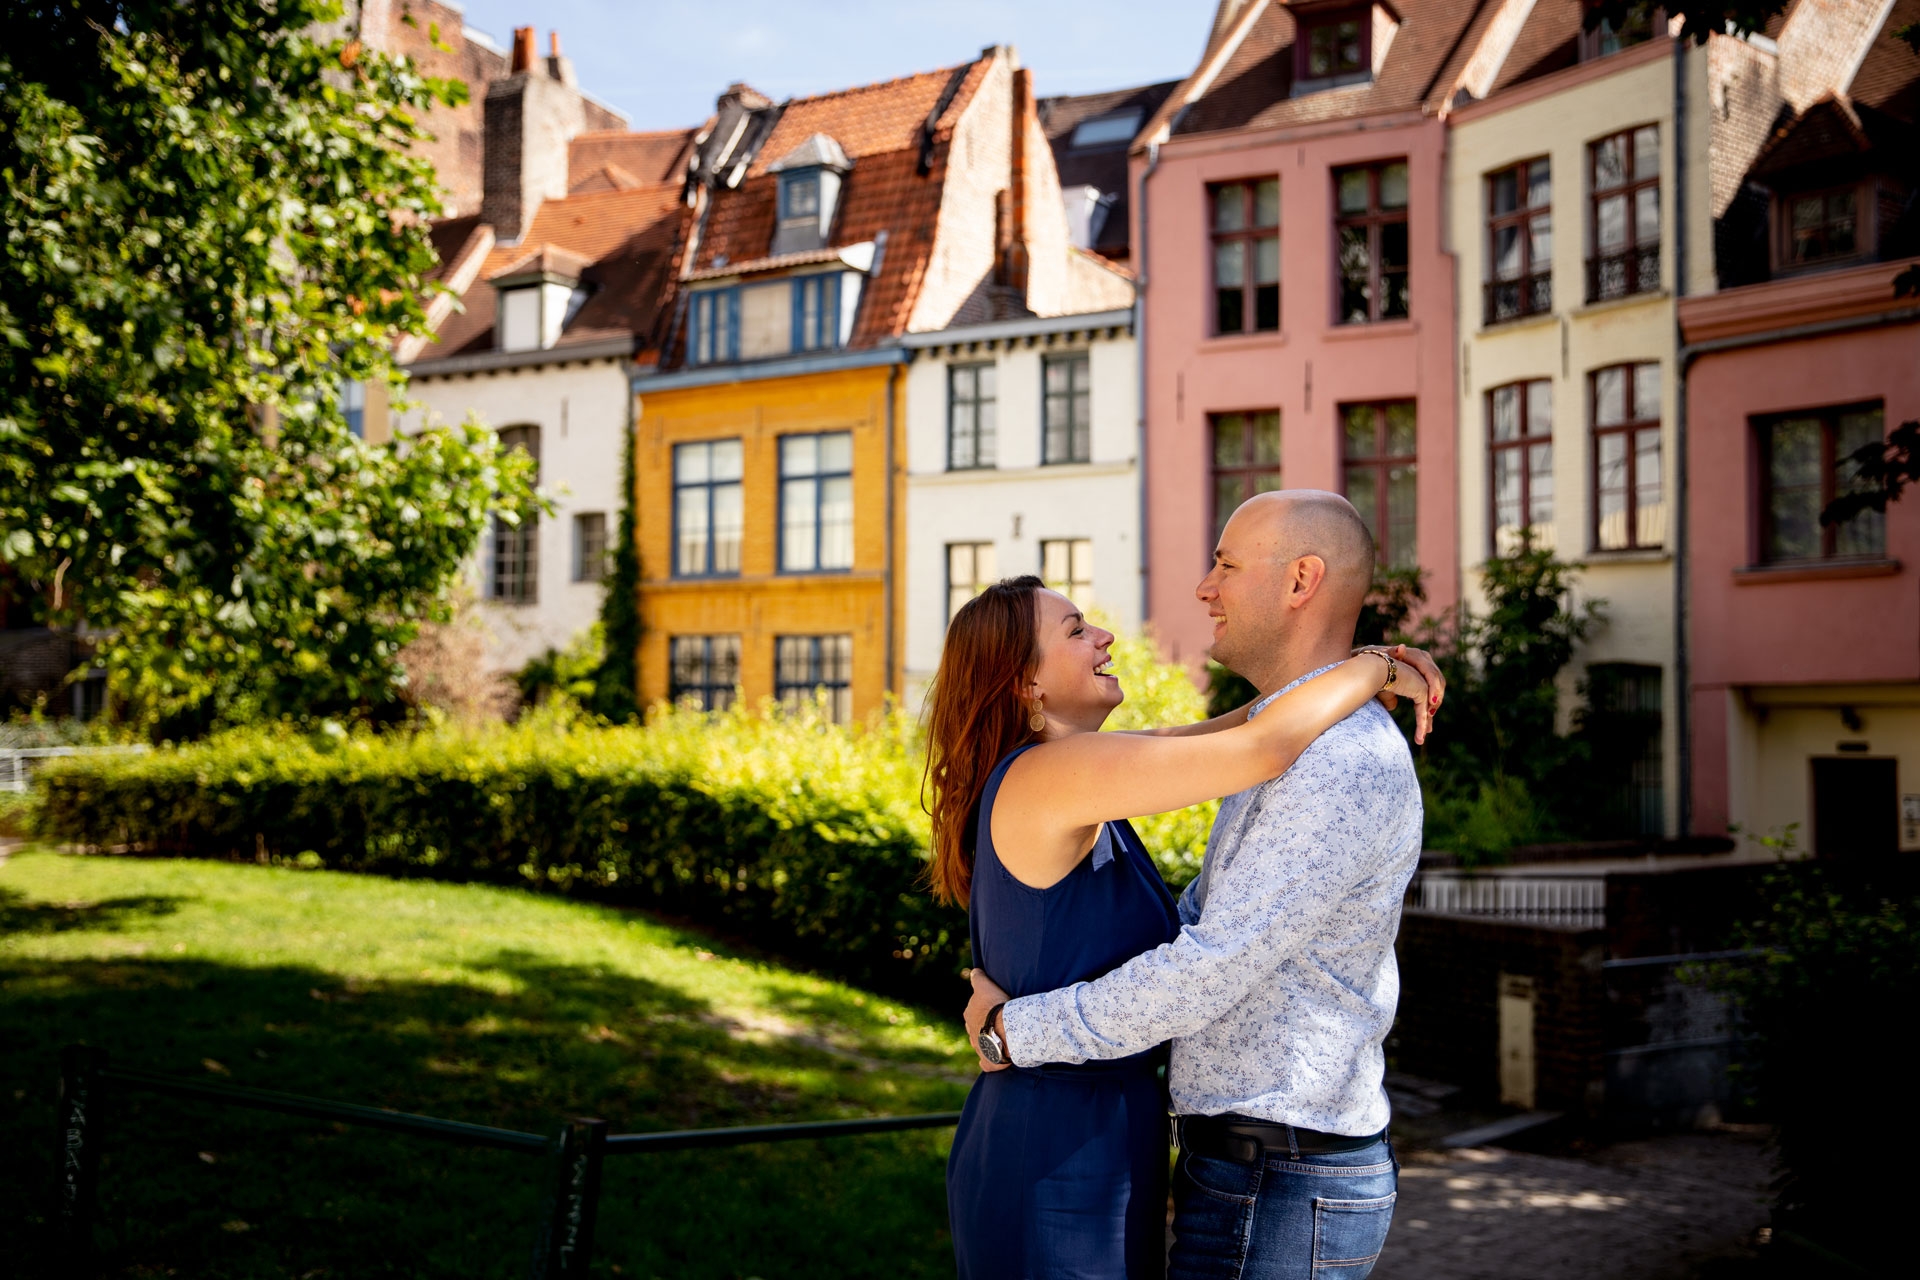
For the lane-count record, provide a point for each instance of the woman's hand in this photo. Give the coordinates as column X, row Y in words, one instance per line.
column 1419, row 679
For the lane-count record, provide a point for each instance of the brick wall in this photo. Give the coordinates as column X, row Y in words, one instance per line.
column 959, row 277
column 1448, row 1026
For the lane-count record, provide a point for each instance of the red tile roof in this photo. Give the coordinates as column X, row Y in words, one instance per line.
column 650, row 157
column 627, row 238
column 883, row 128
column 1253, row 88
column 1889, row 77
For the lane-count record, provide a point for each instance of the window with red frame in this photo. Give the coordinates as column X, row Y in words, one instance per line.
column 1246, row 460
column 1629, row 500
column 1380, row 470
column 1371, row 237
column 1520, row 465
column 1246, row 256
column 1333, row 49
column 1805, row 464
column 1623, row 173
column 1519, row 241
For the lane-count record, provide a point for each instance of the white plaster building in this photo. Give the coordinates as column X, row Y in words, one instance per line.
column 1022, row 457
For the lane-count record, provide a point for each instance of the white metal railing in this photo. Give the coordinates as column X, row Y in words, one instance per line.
column 1563, row 900
column 18, row 763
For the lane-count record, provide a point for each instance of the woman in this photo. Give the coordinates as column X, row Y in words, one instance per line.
column 1060, row 1171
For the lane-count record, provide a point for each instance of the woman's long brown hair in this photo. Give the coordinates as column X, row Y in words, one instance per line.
column 976, row 715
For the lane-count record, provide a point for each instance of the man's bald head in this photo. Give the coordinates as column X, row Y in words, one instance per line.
column 1315, row 522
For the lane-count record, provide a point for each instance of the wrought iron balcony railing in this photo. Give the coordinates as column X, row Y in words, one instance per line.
column 1621, row 275
column 1511, row 299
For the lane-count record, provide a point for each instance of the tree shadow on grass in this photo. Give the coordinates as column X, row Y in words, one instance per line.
column 193, row 1189
column 20, row 914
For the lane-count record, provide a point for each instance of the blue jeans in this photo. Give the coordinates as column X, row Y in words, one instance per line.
column 1321, row 1217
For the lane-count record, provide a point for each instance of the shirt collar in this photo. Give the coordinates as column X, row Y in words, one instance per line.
column 1261, row 705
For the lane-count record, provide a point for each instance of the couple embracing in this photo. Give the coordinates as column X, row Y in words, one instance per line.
column 1266, row 992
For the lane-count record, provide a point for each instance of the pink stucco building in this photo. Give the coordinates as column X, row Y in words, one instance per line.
column 1297, row 303
column 1804, row 689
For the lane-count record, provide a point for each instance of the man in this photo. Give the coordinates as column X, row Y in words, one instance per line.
column 1280, row 990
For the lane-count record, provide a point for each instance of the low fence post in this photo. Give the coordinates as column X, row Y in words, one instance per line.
column 565, row 1243
column 79, row 1156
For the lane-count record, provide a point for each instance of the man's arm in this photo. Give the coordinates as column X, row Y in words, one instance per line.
column 1310, row 844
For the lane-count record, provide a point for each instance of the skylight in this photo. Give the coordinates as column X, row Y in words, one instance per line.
column 1119, row 126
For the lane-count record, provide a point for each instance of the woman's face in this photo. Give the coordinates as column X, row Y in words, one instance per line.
column 1070, row 677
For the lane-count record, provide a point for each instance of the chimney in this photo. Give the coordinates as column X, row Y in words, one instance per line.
column 1013, row 271
column 530, row 116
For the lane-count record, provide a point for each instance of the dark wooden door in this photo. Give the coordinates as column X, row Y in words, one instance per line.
column 1856, row 807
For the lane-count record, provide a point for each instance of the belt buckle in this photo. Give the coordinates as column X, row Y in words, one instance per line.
column 1244, row 1148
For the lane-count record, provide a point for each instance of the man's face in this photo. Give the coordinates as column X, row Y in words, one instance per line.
column 1246, row 589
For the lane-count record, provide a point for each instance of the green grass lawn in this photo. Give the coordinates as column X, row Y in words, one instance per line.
column 468, row 1002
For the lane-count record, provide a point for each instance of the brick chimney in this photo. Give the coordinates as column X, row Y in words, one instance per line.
column 1014, row 253
column 530, row 116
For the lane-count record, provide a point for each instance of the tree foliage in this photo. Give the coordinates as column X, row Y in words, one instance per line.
column 212, row 218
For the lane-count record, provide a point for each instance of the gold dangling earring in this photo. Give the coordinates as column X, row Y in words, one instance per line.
column 1038, row 720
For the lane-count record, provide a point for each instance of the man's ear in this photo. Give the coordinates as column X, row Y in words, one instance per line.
column 1304, row 579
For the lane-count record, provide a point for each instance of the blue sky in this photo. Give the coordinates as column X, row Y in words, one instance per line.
column 663, row 63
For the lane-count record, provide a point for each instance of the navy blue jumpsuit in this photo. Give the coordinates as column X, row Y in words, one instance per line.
column 1059, row 1172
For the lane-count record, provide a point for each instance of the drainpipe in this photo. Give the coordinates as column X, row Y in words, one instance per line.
column 1140, row 378
column 1682, row 659
column 886, row 605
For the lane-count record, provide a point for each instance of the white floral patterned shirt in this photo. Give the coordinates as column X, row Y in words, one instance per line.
column 1281, row 988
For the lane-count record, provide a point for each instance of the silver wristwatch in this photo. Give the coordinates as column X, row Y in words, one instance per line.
column 992, row 1047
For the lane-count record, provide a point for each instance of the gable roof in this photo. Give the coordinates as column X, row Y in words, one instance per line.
column 1245, row 81
column 895, row 135
column 618, row 243
column 1878, row 114
column 659, row 156
column 1104, row 166
column 1888, row 80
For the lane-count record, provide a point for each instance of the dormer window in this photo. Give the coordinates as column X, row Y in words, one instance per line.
column 1336, row 45
column 810, row 176
column 1822, row 228
column 1641, row 24
column 1106, row 131
column 538, row 297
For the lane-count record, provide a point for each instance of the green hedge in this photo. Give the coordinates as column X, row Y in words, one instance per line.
column 806, row 838
column 788, row 832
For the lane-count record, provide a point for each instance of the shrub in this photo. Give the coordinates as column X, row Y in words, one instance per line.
column 780, row 827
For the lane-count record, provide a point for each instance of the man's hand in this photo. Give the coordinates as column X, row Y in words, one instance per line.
column 985, row 996
column 1421, row 665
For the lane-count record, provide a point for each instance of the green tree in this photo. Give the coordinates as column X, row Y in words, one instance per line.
column 212, row 219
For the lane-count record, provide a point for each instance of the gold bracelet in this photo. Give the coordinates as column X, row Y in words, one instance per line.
column 1393, row 669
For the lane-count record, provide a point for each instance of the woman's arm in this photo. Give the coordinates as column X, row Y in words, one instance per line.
column 1419, row 659
column 1075, row 783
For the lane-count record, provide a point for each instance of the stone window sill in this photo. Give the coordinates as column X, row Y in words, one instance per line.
column 1815, row 571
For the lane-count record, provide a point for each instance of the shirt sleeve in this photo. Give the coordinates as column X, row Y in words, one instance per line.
column 1188, row 908
column 1317, row 834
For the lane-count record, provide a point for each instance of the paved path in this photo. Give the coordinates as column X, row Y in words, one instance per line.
column 1657, row 1209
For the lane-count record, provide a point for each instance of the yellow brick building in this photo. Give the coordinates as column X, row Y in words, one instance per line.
column 797, row 593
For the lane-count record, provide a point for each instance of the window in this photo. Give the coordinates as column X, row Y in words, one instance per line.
column 1380, row 471
column 705, row 669
column 1804, row 466
column 971, row 438
column 707, row 515
column 1066, row 565
column 1520, row 450
column 1819, row 226
column 800, row 194
column 816, row 312
column 1624, row 176
column 1629, row 505
column 714, row 333
column 1333, row 49
column 1638, row 27
column 516, row 547
column 1107, row 130
column 590, row 546
column 1623, row 724
column 353, row 406
column 1246, row 460
column 1067, row 419
column 970, row 570
column 1372, row 233
column 1519, row 242
column 519, row 318
column 816, row 502
column 808, row 666
column 1246, row 256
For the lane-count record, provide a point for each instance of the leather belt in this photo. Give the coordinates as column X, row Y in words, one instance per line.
column 1248, row 1141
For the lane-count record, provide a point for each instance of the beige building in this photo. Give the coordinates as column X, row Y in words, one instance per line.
column 1588, row 176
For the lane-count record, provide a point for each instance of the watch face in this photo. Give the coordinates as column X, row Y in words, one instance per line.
column 990, row 1048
